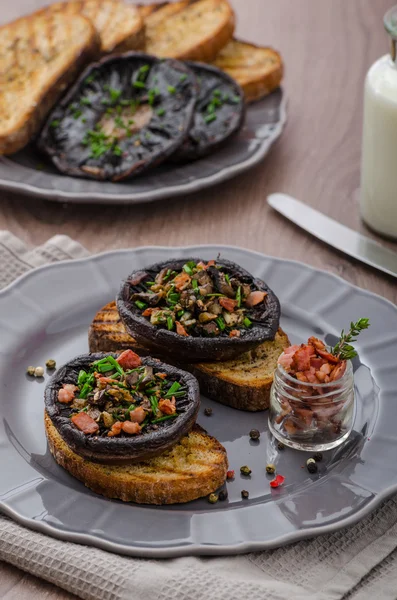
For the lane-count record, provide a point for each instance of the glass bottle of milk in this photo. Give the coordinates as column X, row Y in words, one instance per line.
column 378, row 198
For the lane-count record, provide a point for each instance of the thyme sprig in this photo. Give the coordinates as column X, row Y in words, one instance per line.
column 344, row 349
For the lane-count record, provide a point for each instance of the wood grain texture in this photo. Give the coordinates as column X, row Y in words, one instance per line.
column 327, row 45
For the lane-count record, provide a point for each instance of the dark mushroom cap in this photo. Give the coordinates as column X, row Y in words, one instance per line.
column 219, row 112
column 107, row 93
column 121, row 450
column 197, row 348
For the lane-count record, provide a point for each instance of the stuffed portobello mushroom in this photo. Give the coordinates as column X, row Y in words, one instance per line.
column 124, row 115
column 120, row 409
column 219, row 113
column 196, row 310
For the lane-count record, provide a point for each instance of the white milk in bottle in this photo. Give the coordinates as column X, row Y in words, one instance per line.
column 378, row 198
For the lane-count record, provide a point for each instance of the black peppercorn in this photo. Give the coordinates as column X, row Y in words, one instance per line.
column 244, row 494
column 223, row 495
column 208, row 412
column 318, row 457
column 255, row 434
column 311, row 465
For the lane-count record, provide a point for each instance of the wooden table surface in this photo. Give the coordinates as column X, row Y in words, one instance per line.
column 327, row 46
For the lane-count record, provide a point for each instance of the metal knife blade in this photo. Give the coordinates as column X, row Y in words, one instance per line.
column 333, row 233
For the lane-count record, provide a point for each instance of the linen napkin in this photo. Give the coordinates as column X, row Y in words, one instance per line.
column 357, row 563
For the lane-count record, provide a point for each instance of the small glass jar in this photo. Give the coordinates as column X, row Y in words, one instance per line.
column 311, row 416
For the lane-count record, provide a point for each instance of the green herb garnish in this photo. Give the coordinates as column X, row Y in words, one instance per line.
column 161, row 112
column 55, row 123
column 247, row 322
column 170, row 323
column 238, row 296
column 171, row 89
column 183, row 77
column 141, row 304
column 165, row 418
column 90, row 79
column 210, row 118
column 114, row 95
column 85, row 101
column 344, row 349
column 221, row 323
column 138, row 84
column 173, row 389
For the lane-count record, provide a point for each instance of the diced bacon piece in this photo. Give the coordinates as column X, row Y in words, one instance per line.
column 255, row 298
column 286, row 358
column 168, row 407
column 105, row 380
column 290, row 426
column 316, row 362
column 181, row 281
column 115, row 429
column 67, row 393
column 339, row 371
column 305, row 415
column 328, row 356
column 180, row 329
column 131, row 428
column 235, row 333
column 129, row 360
column 228, row 304
column 311, row 375
column 301, row 377
column 85, row 423
column 161, row 375
column 316, row 343
column 326, row 368
column 302, row 356
column 138, row 415
column 147, row 312
column 321, row 376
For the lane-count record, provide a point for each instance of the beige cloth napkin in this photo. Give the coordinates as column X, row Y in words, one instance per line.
column 357, row 563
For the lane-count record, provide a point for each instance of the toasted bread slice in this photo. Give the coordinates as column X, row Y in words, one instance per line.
column 40, row 55
column 153, row 14
column 119, row 25
column 194, row 467
column 259, row 70
column 243, row 383
column 198, row 32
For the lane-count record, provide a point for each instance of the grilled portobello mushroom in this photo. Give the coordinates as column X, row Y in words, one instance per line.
column 219, row 113
column 124, row 115
column 120, row 409
column 198, row 311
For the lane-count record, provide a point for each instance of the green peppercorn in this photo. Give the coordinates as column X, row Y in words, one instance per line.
column 255, row 434
column 311, row 465
column 213, row 498
column 223, row 495
column 280, row 446
column 208, row 412
column 30, row 371
column 270, row 468
column 245, row 470
column 244, row 494
column 318, row 457
column 51, row 364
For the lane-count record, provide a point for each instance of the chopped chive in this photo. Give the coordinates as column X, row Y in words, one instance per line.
column 141, row 304
column 235, row 99
column 117, row 151
column 154, row 404
column 165, row 418
column 171, row 89
column 116, row 365
column 82, row 377
column 150, row 283
column 183, row 77
column 55, row 123
column 210, row 118
column 217, row 93
column 106, row 87
column 221, row 323
column 85, row 101
column 104, row 101
column 227, row 278
column 180, row 313
column 195, row 284
column 215, row 296
column 238, row 296
column 77, row 113
column 139, row 85
column 187, row 269
column 247, row 322
column 174, row 388
column 90, row 79
column 170, row 323
column 161, row 112
column 84, row 120
column 143, row 72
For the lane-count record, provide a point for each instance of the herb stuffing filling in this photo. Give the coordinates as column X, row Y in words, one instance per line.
column 121, row 397
column 201, row 299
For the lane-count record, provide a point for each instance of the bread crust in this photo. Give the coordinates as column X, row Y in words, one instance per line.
column 31, row 117
column 172, row 478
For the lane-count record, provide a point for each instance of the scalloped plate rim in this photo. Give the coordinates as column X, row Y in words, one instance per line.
column 185, row 549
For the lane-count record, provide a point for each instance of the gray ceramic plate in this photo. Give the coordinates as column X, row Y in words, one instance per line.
column 29, row 173
column 46, row 314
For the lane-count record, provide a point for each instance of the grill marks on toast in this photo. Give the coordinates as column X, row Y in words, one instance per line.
column 259, row 70
column 40, row 55
column 197, row 32
column 108, row 333
column 119, row 25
